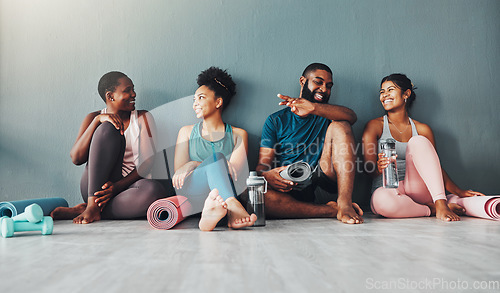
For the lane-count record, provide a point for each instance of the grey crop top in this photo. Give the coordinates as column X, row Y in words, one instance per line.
column 400, row 150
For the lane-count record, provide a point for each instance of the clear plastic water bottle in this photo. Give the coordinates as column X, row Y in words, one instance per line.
column 390, row 174
column 257, row 187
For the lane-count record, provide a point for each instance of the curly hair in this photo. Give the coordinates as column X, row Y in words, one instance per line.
column 220, row 82
column 404, row 83
column 108, row 83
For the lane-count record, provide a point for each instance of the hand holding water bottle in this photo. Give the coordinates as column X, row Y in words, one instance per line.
column 386, row 163
column 382, row 162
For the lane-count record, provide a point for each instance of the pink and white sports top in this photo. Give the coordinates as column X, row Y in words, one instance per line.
column 131, row 138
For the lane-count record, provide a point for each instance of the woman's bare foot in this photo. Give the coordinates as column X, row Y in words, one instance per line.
column 64, row 213
column 237, row 215
column 91, row 214
column 214, row 210
column 444, row 213
column 457, row 209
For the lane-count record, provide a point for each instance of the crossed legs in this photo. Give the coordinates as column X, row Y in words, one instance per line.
column 422, row 192
column 337, row 162
column 104, row 164
column 211, row 181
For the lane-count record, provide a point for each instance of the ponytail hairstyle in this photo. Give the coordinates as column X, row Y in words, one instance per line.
column 220, row 82
column 404, row 83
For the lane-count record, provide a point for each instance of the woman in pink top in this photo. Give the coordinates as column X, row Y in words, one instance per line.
column 115, row 143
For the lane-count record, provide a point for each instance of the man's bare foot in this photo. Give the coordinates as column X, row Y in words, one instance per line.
column 64, row 213
column 334, row 206
column 91, row 214
column 444, row 213
column 214, row 210
column 355, row 206
column 237, row 215
column 350, row 214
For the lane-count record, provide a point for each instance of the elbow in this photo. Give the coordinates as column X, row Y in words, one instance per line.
column 77, row 160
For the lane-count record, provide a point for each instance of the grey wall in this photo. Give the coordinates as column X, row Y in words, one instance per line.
column 53, row 52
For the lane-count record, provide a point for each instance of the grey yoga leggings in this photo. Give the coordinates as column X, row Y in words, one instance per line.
column 105, row 164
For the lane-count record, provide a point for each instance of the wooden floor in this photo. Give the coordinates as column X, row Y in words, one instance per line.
column 313, row 255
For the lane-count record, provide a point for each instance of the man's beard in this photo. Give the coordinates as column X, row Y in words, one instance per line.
column 308, row 95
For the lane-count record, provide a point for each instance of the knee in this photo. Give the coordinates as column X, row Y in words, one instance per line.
column 383, row 203
column 420, row 146
column 216, row 157
column 107, row 130
column 151, row 189
column 220, row 156
column 419, row 140
column 339, row 130
column 339, row 126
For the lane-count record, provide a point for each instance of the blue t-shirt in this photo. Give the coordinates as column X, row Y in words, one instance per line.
column 294, row 138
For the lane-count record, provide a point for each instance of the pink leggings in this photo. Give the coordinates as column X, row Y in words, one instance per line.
column 423, row 184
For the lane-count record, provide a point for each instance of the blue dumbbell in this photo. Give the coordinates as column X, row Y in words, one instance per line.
column 32, row 213
column 9, row 226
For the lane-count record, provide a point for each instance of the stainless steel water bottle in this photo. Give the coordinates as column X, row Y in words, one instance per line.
column 390, row 174
column 257, row 187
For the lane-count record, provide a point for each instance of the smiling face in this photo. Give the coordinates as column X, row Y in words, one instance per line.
column 123, row 98
column 316, row 86
column 391, row 96
column 205, row 103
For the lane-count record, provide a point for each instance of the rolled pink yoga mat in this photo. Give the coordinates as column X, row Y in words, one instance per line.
column 167, row 212
column 486, row 207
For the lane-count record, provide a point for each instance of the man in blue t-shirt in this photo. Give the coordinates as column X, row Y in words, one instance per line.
column 313, row 131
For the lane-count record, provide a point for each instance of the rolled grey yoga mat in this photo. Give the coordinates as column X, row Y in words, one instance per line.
column 12, row 208
column 298, row 172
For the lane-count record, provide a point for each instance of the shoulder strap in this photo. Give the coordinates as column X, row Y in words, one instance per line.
column 414, row 131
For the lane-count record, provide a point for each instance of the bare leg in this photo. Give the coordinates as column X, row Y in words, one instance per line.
column 64, row 213
column 213, row 211
column 237, row 215
column 337, row 162
column 282, row 205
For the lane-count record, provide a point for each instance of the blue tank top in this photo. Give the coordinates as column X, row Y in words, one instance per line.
column 400, row 150
column 201, row 148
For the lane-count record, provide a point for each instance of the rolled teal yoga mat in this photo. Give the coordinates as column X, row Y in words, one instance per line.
column 12, row 208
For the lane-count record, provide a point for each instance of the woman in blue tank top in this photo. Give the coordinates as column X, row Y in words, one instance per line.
column 423, row 182
column 211, row 156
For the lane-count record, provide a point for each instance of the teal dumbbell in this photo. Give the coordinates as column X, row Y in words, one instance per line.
column 32, row 213
column 8, row 226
